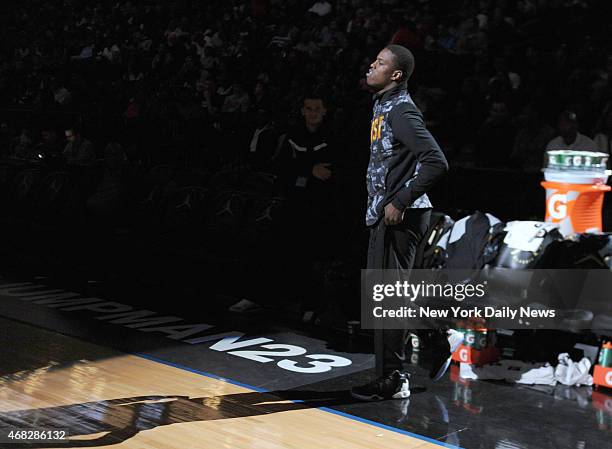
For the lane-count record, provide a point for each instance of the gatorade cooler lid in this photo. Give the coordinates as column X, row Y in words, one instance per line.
column 607, row 345
column 576, row 160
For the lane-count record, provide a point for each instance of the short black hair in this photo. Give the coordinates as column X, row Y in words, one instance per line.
column 404, row 60
column 314, row 95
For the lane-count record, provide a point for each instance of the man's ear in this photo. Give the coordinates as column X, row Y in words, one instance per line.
column 397, row 75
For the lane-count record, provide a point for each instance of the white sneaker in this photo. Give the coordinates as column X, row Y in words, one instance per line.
column 393, row 386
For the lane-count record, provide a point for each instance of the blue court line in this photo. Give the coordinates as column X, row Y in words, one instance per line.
column 325, row 409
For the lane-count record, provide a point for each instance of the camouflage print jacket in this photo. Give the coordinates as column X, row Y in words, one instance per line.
column 405, row 160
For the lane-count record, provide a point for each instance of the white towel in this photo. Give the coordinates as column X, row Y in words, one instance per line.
column 569, row 372
column 511, row 371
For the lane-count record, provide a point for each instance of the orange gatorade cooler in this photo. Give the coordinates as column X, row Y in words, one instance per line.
column 575, row 183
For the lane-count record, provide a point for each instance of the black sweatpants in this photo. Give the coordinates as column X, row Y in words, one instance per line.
column 394, row 248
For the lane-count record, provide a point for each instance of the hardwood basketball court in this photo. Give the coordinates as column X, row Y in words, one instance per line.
column 108, row 398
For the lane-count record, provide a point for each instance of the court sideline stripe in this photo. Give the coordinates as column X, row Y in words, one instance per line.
column 325, row 409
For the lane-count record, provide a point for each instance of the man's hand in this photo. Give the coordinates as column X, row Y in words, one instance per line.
column 322, row 171
column 393, row 215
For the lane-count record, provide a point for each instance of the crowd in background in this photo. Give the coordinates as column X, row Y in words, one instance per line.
column 190, row 81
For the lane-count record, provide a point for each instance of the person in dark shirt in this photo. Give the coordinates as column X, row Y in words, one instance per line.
column 307, row 158
column 405, row 163
column 79, row 152
column 307, row 154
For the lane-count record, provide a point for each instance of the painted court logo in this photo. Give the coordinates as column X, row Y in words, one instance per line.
column 289, row 357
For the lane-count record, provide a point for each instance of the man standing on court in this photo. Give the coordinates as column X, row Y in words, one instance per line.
column 405, row 163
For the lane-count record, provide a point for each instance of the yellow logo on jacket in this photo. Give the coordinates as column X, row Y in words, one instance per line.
column 377, row 125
